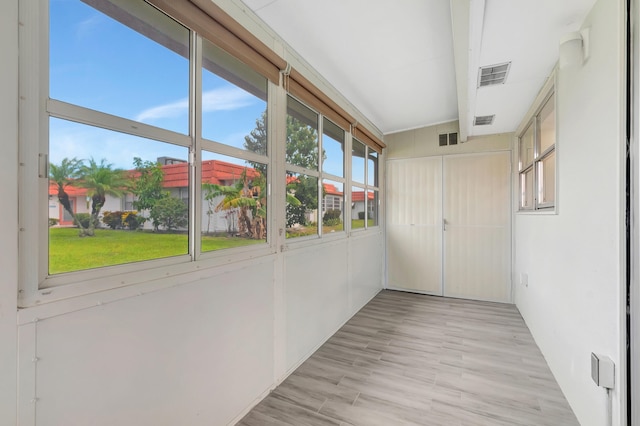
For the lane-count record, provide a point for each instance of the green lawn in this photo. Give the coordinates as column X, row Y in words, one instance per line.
column 68, row 252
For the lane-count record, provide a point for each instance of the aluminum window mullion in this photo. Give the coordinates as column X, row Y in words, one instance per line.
column 230, row 151
column 195, row 151
column 320, row 174
column 78, row 114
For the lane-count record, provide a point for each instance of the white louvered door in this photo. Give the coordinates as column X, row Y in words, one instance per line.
column 448, row 226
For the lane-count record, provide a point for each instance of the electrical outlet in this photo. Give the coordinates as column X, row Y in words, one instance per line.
column 524, row 280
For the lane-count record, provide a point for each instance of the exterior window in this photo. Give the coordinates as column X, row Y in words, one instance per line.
column 234, row 117
column 102, row 77
column 537, row 160
column 333, row 149
column 121, row 145
column 364, row 192
column 302, row 170
column 234, row 202
column 152, row 149
column 306, row 167
column 332, row 213
column 234, row 101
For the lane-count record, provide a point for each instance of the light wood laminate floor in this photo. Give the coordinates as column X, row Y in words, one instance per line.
column 409, row 359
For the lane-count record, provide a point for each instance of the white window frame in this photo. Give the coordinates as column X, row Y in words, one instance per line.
column 532, row 119
column 35, row 285
column 366, row 187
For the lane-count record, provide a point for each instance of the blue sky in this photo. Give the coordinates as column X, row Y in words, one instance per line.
column 101, row 64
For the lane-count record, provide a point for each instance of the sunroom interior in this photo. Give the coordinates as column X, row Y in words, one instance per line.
column 486, row 150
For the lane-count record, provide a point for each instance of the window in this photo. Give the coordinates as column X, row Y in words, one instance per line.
column 151, row 148
column 106, row 100
column 537, row 160
column 305, row 168
column 122, row 148
column 364, row 192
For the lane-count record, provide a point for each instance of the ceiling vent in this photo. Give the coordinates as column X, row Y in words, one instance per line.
column 483, row 120
column 493, row 74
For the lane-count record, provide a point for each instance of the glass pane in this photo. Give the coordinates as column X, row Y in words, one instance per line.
column 99, row 62
column 526, row 190
column 234, row 101
column 104, row 185
column 547, row 179
column 526, row 148
column 372, row 168
column 358, row 207
column 548, row 125
column 333, row 149
column 302, row 205
column 302, row 135
column 332, row 207
column 372, row 208
column 234, row 202
column 358, row 154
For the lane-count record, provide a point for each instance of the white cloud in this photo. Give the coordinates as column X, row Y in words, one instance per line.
column 171, row 110
column 221, row 99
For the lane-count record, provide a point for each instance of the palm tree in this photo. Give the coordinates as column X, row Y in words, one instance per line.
column 101, row 179
column 66, row 174
column 249, row 201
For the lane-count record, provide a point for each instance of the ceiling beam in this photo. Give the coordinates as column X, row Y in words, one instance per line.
column 460, row 30
column 467, row 23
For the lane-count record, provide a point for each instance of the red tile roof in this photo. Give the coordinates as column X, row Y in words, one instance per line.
column 359, row 196
column 177, row 176
column 330, row 189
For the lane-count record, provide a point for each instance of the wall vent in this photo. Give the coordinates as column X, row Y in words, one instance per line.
column 493, row 74
column 483, row 120
column 445, row 139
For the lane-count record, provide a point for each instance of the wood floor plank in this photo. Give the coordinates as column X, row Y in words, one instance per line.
column 409, row 359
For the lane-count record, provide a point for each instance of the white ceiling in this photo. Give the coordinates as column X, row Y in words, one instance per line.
column 395, row 60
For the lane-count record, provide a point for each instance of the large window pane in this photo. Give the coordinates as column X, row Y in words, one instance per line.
column 234, row 101
column 302, row 135
column 526, row 148
column 358, row 207
column 358, row 153
column 548, row 125
column 114, row 198
column 526, row 190
column 547, row 179
column 372, row 168
column 333, row 149
column 372, row 208
column 130, row 61
column 301, row 205
column 234, row 202
column 332, row 206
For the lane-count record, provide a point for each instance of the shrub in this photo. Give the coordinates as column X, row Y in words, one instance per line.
column 332, row 217
column 119, row 220
column 170, row 213
column 83, row 219
column 53, row 221
column 131, row 220
column 112, row 219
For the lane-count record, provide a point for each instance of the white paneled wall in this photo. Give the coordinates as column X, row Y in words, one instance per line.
column 200, row 352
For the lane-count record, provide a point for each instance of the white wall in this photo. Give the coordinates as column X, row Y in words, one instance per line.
column 9, row 195
column 423, row 142
column 198, row 349
column 572, row 303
